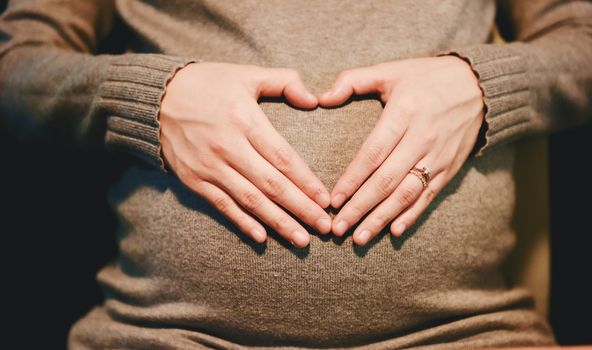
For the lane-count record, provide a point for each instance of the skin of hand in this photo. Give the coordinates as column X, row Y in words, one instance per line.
column 433, row 111
column 219, row 143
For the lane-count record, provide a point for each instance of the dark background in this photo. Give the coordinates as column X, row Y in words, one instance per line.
column 58, row 231
column 571, row 235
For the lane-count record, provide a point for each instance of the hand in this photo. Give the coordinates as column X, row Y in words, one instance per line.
column 220, row 144
column 432, row 116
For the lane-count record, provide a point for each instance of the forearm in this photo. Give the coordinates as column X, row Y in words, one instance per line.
column 539, row 83
column 83, row 99
column 53, row 86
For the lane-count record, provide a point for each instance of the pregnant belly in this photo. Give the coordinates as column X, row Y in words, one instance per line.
column 184, row 265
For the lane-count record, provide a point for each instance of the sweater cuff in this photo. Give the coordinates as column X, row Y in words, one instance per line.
column 502, row 74
column 130, row 96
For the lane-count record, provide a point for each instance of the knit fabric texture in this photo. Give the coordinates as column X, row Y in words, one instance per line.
column 185, row 277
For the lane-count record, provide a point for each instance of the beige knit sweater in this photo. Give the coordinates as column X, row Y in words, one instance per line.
column 185, row 277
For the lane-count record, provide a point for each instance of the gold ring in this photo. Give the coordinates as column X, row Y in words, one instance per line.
column 422, row 174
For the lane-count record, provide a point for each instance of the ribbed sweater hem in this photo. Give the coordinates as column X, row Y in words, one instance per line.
column 502, row 74
column 130, row 95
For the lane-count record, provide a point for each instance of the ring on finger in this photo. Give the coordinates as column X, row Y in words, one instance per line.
column 423, row 174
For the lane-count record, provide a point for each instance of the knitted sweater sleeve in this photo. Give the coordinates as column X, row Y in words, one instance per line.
column 54, row 86
column 540, row 80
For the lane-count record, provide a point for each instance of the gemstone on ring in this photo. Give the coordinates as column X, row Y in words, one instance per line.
column 426, row 173
column 422, row 174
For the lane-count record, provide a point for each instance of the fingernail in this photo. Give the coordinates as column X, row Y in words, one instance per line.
column 341, row 227
column 324, row 225
column 300, row 239
column 257, row 234
column 324, row 198
column 399, row 229
column 338, row 200
column 363, row 237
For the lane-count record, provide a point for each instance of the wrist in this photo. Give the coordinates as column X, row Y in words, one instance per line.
column 165, row 106
column 481, row 135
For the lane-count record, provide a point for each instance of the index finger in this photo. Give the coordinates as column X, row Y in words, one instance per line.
column 378, row 145
column 273, row 147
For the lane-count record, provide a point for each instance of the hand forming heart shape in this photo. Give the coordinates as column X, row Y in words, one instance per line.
column 433, row 112
column 214, row 134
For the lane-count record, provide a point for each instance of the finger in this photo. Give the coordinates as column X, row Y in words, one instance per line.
column 277, row 151
column 408, row 217
column 229, row 208
column 375, row 149
column 254, row 201
column 380, row 185
column 279, row 188
column 357, row 81
column 408, row 191
column 287, row 82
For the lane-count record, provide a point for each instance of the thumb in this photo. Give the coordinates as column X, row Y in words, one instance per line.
column 287, row 82
column 356, row 81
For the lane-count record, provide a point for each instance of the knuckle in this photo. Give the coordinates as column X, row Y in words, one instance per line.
column 277, row 223
column 239, row 120
column 429, row 138
column 380, row 220
column 349, row 185
column 282, row 157
column 251, row 127
column 194, row 182
column 375, row 155
column 406, row 196
column 251, row 200
column 356, row 211
column 234, row 110
column 385, row 184
column 208, row 168
column 273, row 187
column 190, row 174
column 223, row 204
column 184, row 172
column 393, row 128
column 303, row 214
column 218, row 146
column 409, row 107
column 430, row 193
